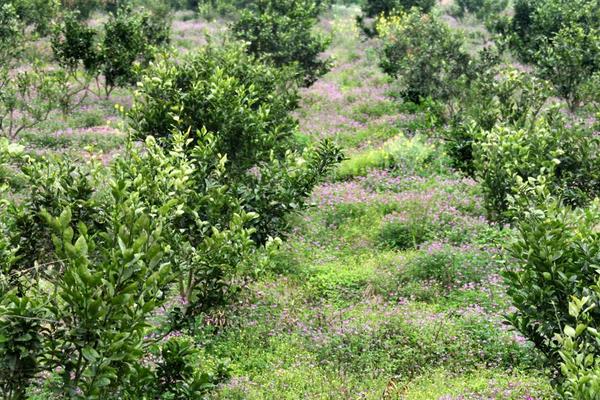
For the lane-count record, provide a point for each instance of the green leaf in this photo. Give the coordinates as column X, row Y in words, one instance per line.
column 90, row 354
column 569, row 331
column 81, row 246
column 65, row 218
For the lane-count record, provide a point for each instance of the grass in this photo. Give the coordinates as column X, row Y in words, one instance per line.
column 406, row 155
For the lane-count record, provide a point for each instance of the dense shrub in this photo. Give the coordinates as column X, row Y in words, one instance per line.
column 568, row 60
column 237, row 149
column 424, row 56
column 283, row 32
column 129, row 38
column 374, row 8
column 560, row 37
column 482, row 9
column 92, row 274
column 493, row 96
column 243, row 102
column 535, row 21
column 73, row 42
column 553, row 283
column 566, row 156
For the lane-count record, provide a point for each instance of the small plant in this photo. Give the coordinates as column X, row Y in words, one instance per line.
column 27, row 99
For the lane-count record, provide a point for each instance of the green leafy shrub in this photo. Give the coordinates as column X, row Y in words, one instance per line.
column 207, row 229
column 493, row 96
column 568, row 60
column 36, row 13
column 482, row 9
column 423, row 55
column 243, row 102
column 282, row 31
column 129, row 39
column 536, row 21
column 567, row 157
column 374, row 8
column 241, row 178
column 560, row 37
column 73, row 42
column 94, row 296
column 553, row 284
